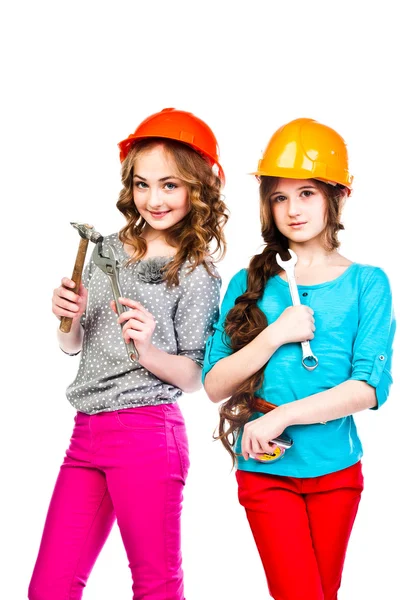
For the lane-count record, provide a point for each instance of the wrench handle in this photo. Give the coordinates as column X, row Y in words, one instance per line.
column 294, row 292
column 309, row 360
column 66, row 322
column 131, row 349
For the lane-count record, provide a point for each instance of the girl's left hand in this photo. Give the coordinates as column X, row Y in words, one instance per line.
column 138, row 324
column 258, row 434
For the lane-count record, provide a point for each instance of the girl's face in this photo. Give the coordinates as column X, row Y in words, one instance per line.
column 161, row 198
column 299, row 209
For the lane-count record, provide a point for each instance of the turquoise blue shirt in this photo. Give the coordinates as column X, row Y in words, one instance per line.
column 353, row 340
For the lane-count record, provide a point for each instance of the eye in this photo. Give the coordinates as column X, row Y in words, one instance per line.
column 278, row 199
column 307, row 193
column 141, row 185
column 170, row 186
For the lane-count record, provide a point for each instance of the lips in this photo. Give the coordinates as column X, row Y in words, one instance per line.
column 158, row 215
column 297, row 224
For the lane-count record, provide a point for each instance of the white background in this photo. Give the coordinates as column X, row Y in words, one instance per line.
column 77, row 77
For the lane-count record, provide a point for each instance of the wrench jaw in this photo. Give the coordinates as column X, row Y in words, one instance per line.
column 107, row 261
column 286, row 264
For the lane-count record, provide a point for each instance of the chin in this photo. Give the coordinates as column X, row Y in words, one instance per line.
column 159, row 226
column 301, row 237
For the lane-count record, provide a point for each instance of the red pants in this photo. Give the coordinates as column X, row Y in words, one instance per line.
column 302, row 528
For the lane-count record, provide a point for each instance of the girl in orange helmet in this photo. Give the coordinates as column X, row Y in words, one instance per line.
column 288, row 424
column 128, row 455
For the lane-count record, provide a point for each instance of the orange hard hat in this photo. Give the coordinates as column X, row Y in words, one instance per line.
column 306, row 149
column 177, row 125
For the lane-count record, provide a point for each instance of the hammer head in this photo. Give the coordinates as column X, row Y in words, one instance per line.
column 87, row 232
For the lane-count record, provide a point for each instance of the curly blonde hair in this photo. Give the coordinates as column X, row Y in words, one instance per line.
column 199, row 230
column 246, row 320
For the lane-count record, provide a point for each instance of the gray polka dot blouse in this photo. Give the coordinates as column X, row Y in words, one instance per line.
column 107, row 380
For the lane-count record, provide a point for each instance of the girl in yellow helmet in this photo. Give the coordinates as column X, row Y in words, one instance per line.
column 128, row 456
column 301, row 492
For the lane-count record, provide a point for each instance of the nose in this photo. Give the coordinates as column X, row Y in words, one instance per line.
column 155, row 200
column 294, row 207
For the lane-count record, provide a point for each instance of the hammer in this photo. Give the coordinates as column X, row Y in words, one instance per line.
column 87, row 234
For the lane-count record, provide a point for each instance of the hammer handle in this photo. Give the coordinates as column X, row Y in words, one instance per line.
column 263, row 406
column 66, row 322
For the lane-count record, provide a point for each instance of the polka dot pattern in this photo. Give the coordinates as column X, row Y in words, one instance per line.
column 107, row 380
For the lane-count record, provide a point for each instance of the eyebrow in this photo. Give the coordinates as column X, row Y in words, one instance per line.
column 162, row 178
column 303, row 187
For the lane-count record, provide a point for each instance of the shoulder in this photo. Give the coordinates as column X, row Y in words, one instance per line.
column 236, row 286
column 370, row 273
column 239, row 282
column 371, row 279
column 203, row 275
column 112, row 238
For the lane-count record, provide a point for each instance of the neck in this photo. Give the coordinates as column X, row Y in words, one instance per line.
column 312, row 254
column 151, row 235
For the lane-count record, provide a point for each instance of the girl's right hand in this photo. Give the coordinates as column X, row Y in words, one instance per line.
column 65, row 303
column 296, row 324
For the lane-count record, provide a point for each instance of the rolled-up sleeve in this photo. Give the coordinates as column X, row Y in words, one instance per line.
column 218, row 346
column 198, row 309
column 373, row 346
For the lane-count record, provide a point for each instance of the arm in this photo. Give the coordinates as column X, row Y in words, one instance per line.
column 368, row 385
column 139, row 325
column 344, row 399
column 71, row 343
column 197, row 309
column 180, row 371
column 295, row 324
column 66, row 303
column 230, row 372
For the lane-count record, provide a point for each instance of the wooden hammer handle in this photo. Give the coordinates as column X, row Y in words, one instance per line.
column 66, row 322
column 263, row 406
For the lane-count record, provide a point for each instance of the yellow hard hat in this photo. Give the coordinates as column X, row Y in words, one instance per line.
column 306, row 149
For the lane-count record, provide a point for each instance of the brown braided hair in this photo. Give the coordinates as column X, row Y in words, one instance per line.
column 200, row 228
column 245, row 320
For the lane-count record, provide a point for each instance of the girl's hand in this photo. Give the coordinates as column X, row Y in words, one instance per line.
column 138, row 324
column 257, row 434
column 296, row 324
column 65, row 303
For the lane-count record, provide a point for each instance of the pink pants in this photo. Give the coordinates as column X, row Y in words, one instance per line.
column 130, row 465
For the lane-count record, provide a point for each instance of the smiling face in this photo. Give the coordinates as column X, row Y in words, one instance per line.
column 299, row 209
column 161, row 198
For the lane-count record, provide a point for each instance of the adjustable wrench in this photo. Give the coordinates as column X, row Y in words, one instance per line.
column 309, row 360
column 106, row 260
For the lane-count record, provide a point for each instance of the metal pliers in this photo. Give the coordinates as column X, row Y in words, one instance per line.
column 105, row 258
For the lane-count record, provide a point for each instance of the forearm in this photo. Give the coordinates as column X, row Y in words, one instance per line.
column 230, row 372
column 71, row 342
column 180, row 371
column 344, row 399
